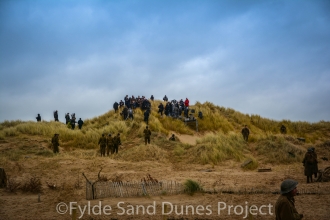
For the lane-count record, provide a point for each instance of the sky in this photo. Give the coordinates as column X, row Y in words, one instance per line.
column 260, row 57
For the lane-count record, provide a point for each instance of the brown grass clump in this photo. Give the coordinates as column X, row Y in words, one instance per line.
column 175, row 125
column 252, row 165
column 117, row 178
column 143, row 152
column 278, row 150
column 215, row 148
column 101, row 178
column 32, row 185
column 191, row 187
column 13, row 185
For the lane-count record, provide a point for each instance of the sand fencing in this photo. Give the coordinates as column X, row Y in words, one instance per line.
column 98, row 190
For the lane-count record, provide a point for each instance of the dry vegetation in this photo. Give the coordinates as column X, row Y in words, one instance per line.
column 221, row 126
column 32, row 167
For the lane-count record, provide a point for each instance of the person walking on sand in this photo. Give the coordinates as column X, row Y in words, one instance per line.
column 245, row 133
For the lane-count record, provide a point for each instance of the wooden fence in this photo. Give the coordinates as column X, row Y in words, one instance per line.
column 100, row 189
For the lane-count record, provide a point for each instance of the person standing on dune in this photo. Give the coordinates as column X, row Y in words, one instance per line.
column 147, row 134
column 55, row 143
column 245, row 133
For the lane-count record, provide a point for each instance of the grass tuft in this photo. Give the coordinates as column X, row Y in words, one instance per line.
column 278, row 150
column 191, row 187
column 216, row 148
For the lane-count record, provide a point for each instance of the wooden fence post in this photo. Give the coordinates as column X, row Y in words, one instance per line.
column 74, row 212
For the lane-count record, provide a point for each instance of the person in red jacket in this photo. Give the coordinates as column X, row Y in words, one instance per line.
column 186, row 103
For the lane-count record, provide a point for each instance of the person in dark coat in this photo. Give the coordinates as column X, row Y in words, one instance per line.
column 146, row 116
column 67, row 118
column 147, row 134
column 127, row 101
column 161, row 109
column 115, row 106
column 152, row 98
column 56, row 115
column 80, row 123
column 165, row 98
column 103, row 143
column 146, row 105
column 116, row 143
column 55, row 143
column 309, row 164
column 181, row 104
column 285, row 205
column 168, row 109
column 172, row 138
column 283, row 129
column 124, row 113
column 38, row 118
column 186, row 112
column 245, row 133
column 73, row 123
column 121, row 104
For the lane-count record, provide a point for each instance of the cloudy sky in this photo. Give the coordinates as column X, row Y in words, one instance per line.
column 270, row 58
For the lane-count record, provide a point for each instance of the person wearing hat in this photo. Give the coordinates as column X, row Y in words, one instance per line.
column 147, row 134
column 55, row 143
column 309, row 164
column 285, row 208
column 103, row 144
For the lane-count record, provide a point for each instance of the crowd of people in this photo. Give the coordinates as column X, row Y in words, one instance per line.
column 70, row 121
column 133, row 103
column 109, row 144
column 172, row 108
